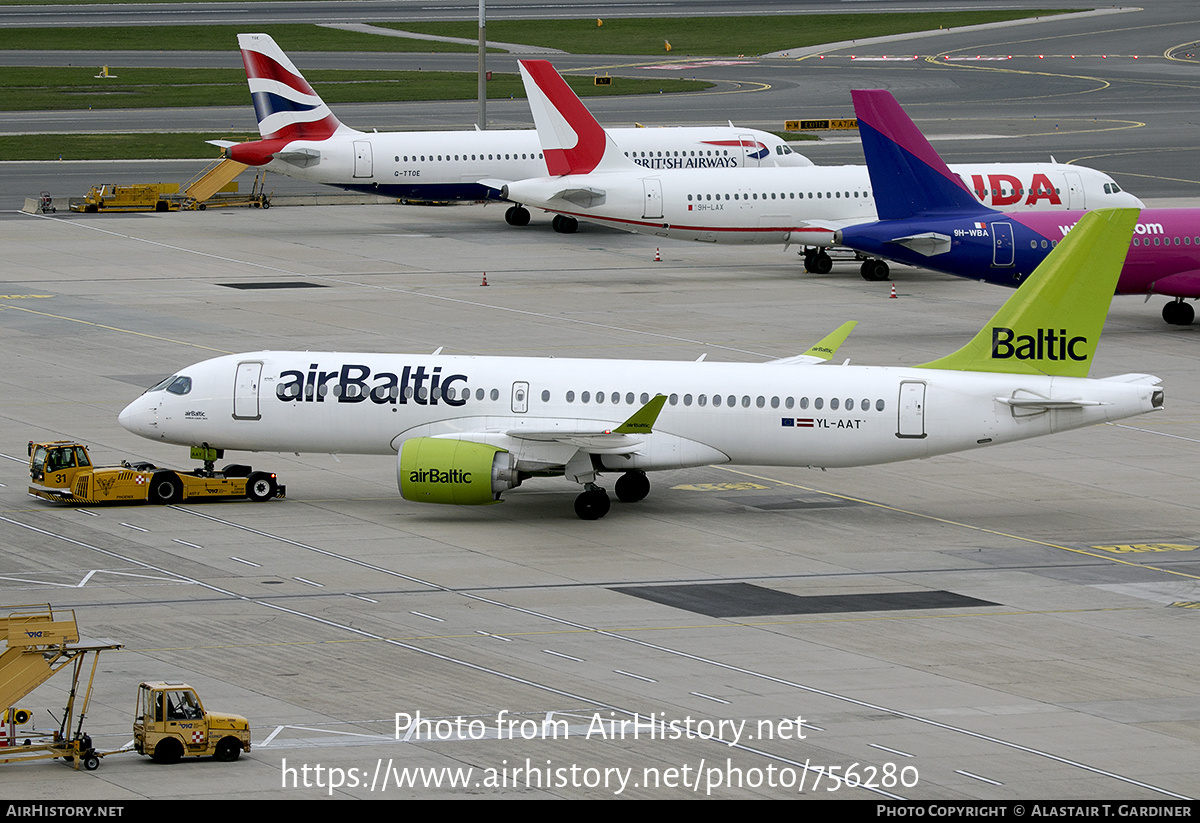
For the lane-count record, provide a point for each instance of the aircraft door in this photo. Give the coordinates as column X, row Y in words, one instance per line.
column 911, row 411
column 1002, row 244
column 362, row 158
column 520, row 397
column 653, row 204
column 245, row 391
column 1075, row 195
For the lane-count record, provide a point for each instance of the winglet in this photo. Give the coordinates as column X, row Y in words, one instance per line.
column 825, row 349
column 642, row 421
column 1052, row 323
column 908, row 178
column 572, row 141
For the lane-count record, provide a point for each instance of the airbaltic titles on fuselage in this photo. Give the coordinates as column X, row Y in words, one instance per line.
column 424, row 388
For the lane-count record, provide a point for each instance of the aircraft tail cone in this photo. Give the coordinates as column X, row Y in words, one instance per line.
column 485, row 282
column 657, row 256
column 892, row 296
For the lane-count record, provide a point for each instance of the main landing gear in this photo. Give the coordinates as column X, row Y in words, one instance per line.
column 817, row 261
column 593, row 503
column 564, row 225
column 517, row 216
column 1178, row 313
column 874, row 270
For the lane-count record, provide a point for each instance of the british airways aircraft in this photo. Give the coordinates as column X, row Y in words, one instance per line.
column 302, row 138
column 928, row 218
column 591, row 179
column 466, row 429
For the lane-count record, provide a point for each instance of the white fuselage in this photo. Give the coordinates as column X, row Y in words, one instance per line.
column 756, row 414
column 792, row 205
column 446, row 165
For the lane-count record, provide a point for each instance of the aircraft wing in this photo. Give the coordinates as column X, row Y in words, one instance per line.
column 823, row 350
column 621, row 440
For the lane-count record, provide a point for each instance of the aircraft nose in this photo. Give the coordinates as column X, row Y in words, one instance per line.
column 140, row 418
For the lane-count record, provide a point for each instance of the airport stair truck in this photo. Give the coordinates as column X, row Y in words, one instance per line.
column 37, row 646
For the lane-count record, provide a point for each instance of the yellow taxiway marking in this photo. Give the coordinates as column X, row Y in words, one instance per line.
column 1021, row 538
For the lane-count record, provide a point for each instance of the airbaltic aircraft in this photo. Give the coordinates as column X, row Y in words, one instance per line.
column 590, row 179
column 928, row 218
column 468, row 428
column 302, row 138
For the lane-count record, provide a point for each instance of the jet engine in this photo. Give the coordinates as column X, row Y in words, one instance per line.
column 438, row 470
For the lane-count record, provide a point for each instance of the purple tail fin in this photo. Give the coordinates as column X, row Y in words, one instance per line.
column 908, row 177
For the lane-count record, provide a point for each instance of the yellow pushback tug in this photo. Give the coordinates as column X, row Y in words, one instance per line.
column 62, row 471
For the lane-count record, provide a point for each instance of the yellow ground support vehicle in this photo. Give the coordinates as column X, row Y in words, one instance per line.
column 39, row 642
column 170, row 723
column 62, row 471
column 148, row 197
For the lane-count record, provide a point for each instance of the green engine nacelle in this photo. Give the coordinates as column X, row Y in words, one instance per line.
column 437, row 470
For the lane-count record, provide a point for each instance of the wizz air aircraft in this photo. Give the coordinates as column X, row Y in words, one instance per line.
column 466, row 429
column 591, row 179
column 302, row 138
column 928, row 218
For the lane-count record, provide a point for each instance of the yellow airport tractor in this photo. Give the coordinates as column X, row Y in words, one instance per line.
column 170, row 723
column 62, row 471
column 150, row 197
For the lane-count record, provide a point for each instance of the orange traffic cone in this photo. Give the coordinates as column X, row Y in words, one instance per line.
column 892, row 297
column 657, row 256
column 484, row 283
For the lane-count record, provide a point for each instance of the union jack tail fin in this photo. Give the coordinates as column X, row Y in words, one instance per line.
column 572, row 141
column 907, row 175
column 286, row 105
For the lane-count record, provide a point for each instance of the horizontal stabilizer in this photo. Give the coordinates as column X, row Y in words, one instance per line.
column 930, row 243
column 302, row 158
column 585, row 197
column 1046, row 403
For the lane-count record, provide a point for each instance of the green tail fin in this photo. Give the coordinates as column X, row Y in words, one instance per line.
column 1051, row 325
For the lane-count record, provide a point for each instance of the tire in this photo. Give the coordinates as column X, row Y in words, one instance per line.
column 168, row 750
column 266, row 203
column 261, row 487
column 632, row 487
column 228, row 750
column 202, row 207
column 165, row 488
column 91, row 762
column 822, row 264
column 1178, row 313
column 517, row 216
column 161, row 205
column 592, row 505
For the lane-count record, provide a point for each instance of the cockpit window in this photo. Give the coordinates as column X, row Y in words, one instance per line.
column 175, row 384
column 783, row 150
